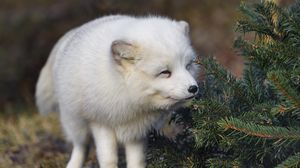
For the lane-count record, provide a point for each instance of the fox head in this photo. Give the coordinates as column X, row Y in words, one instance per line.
column 158, row 67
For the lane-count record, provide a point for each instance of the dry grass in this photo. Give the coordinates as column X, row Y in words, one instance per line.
column 30, row 140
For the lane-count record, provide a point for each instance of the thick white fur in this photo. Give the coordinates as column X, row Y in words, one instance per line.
column 116, row 97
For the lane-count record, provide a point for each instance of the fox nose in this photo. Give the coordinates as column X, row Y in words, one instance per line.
column 193, row 89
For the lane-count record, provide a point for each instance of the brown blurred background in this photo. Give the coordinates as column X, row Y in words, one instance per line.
column 30, row 28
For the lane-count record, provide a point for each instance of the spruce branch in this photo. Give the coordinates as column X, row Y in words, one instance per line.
column 265, row 20
column 222, row 163
column 282, row 84
column 212, row 68
column 220, row 83
column 206, row 130
column 286, row 109
column 261, row 131
column 291, row 162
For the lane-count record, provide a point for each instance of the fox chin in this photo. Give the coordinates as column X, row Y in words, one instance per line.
column 113, row 79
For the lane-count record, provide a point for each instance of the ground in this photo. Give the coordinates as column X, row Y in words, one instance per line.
column 29, row 140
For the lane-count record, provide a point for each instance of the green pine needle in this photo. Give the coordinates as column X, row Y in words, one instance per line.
column 291, row 162
column 282, row 83
column 261, row 131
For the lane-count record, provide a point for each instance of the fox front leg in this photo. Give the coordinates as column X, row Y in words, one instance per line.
column 106, row 146
column 135, row 153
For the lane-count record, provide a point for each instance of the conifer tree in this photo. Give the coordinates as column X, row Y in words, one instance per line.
column 253, row 121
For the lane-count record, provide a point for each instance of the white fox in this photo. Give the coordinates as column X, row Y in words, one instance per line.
column 113, row 79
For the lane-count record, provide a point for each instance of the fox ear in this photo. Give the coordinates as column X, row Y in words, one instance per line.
column 185, row 27
column 123, row 50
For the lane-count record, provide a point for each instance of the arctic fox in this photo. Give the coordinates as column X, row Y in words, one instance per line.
column 113, row 79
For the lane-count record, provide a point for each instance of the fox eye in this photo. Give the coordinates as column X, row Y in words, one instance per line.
column 189, row 65
column 165, row 74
